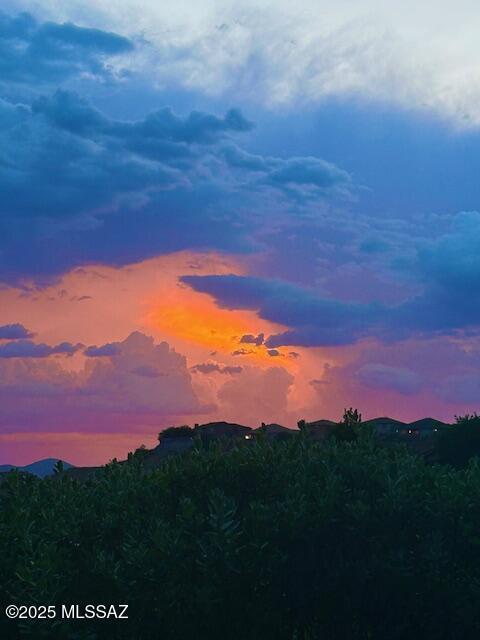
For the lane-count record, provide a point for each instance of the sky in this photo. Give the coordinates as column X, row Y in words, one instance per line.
column 233, row 211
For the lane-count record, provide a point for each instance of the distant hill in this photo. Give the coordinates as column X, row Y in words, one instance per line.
column 40, row 468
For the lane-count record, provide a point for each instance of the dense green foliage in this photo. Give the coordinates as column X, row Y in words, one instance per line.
column 349, row 429
column 177, row 432
column 458, row 443
column 288, row 541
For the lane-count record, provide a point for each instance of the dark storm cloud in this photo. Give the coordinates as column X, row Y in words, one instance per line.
column 66, row 168
column 314, row 320
column 452, row 260
column 78, row 186
column 36, row 53
column 273, row 352
column 241, row 352
column 249, row 338
column 14, row 332
column 67, row 110
column 304, row 176
column 29, row 349
column 109, row 349
column 214, row 367
column 448, row 267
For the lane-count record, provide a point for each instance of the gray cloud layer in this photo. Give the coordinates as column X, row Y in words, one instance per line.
column 80, row 187
column 447, row 267
column 39, row 53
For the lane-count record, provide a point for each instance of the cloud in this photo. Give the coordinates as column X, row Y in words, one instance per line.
column 315, row 320
column 308, row 172
column 452, row 260
column 29, row 349
column 448, row 268
column 462, row 388
column 248, row 338
column 37, row 53
column 141, row 384
column 273, row 352
column 82, row 187
column 214, row 367
column 439, row 375
column 147, row 371
column 14, row 332
column 277, row 55
column 168, row 392
column 382, row 376
column 109, row 349
column 256, row 395
column 300, row 176
column 66, row 110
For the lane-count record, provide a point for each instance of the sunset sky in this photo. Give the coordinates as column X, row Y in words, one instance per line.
column 211, row 210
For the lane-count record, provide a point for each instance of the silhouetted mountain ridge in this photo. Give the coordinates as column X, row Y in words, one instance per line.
column 40, row 468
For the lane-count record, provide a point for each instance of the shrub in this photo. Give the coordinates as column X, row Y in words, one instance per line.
column 350, row 429
column 176, row 432
column 457, row 443
column 279, row 541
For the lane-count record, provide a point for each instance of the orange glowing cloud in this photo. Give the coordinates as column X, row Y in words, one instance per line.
column 95, row 305
column 196, row 319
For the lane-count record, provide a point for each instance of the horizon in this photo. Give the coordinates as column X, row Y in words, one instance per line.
column 154, row 443
column 231, row 212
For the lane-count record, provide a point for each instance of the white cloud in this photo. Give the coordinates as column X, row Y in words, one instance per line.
column 422, row 55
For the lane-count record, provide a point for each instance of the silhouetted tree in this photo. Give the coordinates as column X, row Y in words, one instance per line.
column 138, row 455
column 59, row 467
column 176, row 432
column 351, row 417
column 348, row 429
column 457, row 443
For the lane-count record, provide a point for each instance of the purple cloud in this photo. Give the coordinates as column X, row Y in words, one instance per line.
column 251, row 339
column 109, row 349
column 383, row 376
column 273, row 352
column 14, row 332
column 314, row 320
column 29, row 349
column 214, row 367
column 147, row 371
column 108, row 394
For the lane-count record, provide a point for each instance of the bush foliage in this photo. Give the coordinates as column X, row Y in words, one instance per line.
column 459, row 442
column 177, row 432
column 284, row 541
